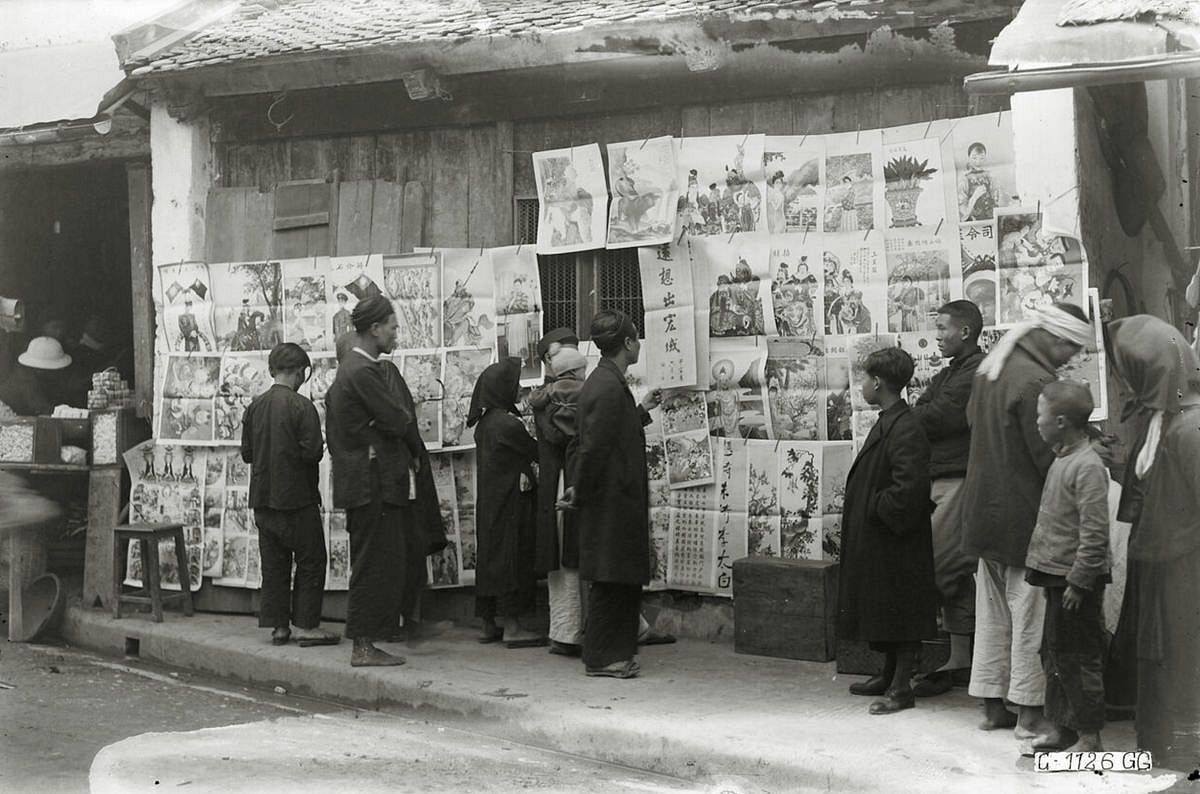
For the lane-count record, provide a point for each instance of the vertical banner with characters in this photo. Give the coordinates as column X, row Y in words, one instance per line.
column 670, row 352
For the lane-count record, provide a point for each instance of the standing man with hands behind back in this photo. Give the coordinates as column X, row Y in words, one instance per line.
column 377, row 452
column 609, row 488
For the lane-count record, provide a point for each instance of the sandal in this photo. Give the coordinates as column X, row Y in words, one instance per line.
column 626, row 669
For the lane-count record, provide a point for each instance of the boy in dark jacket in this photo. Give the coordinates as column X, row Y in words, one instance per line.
column 281, row 440
column 886, row 592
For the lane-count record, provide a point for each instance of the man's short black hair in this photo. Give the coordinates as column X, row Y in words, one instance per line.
column 1071, row 400
column 891, row 365
column 966, row 314
column 610, row 328
column 287, row 357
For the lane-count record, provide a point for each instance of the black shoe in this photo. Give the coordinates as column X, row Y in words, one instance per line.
column 933, row 684
column 892, row 702
column 565, row 649
column 874, row 686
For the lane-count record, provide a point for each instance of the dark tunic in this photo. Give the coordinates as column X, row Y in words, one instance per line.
column 281, row 440
column 886, row 590
column 372, row 440
column 504, row 515
column 942, row 411
column 30, row 392
column 1008, row 461
column 611, row 484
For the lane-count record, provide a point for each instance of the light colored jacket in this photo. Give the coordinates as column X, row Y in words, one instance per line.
column 1071, row 536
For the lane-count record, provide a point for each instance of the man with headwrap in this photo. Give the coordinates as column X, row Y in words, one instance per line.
column 1162, row 498
column 380, row 470
column 1006, row 468
column 610, row 490
column 505, row 580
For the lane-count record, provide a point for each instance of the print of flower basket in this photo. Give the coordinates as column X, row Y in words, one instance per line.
column 902, row 179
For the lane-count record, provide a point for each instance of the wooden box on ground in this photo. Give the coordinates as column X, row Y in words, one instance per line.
column 785, row 608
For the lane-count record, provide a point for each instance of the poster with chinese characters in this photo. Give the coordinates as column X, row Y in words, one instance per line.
column 795, row 387
column 796, row 262
column 413, row 283
column 762, row 499
column 795, row 188
column 855, row 277
column 686, row 440
column 730, row 542
column 518, row 308
column 645, row 192
column 186, row 305
column 978, row 256
column 722, row 183
column 919, row 281
column 670, row 351
column 573, row 199
column 800, row 500
column 351, row 279
column 913, row 185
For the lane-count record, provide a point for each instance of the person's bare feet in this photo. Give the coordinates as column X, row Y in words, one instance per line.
column 996, row 717
column 1087, row 743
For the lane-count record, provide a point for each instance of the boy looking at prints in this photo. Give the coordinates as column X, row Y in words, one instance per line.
column 1068, row 558
column 886, row 591
column 281, row 440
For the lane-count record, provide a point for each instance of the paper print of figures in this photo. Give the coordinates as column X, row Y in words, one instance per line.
column 572, row 195
column 918, row 283
column 422, row 372
column 645, row 192
column 242, row 379
column 468, row 297
column 794, row 375
column 855, row 298
column 689, row 459
column 735, row 405
column 249, row 305
column 1036, row 269
column 518, row 308
column 683, row 411
column 795, row 291
column 913, row 184
column 349, row 280
column 187, row 308
column 412, row 282
column 848, row 200
column 979, row 251
column 845, row 312
column 186, row 419
column 927, row 360
column 984, row 158
column 341, row 323
column 306, row 309
column 794, row 185
column 460, row 370
column 724, row 184
column 739, row 274
column 839, row 409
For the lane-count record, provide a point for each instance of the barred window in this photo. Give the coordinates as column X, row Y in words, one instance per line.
column 575, row 286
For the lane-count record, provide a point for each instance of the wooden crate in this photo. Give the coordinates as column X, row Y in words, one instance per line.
column 785, row 608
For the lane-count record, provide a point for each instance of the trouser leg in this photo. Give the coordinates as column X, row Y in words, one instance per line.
column 566, row 609
column 991, row 666
column 308, row 585
column 1027, row 606
column 274, row 548
column 611, row 632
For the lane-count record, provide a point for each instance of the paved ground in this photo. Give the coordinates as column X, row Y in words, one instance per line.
column 61, row 709
column 699, row 712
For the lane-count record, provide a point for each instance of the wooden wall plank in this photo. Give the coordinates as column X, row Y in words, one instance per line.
column 694, row 121
column 257, row 237
column 311, row 158
column 302, row 198
column 354, row 217
column 482, row 218
column 773, row 117
column 812, row 115
column 354, row 156
column 387, row 209
column 528, row 137
column 141, row 271
column 504, row 183
column 734, row 119
column 412, row 223
column 450, row 187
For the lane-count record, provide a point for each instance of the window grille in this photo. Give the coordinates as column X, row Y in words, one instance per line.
column 613, row 276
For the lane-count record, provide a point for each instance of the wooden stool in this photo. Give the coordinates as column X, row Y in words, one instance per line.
column 148, row 535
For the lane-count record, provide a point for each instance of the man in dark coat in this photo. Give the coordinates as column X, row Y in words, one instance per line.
column 942, row 411
column 505, row 579
column 886, row 592
column 610, row 490
column 1006, row 468
column 281, row 440
column 379, row 462
column 557, row 557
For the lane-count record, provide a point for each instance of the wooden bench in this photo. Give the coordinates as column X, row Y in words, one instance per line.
column 149, row 535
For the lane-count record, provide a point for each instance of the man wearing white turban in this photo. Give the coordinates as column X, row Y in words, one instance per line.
column 1006, row 467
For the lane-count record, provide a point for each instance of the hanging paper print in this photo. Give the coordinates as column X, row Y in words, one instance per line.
column 412, row 283
column 795, row 190
column 249, row 305
column 723, row 185
column 573, row 198
column 645, row 189
column 187, row 308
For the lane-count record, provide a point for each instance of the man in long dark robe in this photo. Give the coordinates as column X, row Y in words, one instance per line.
column 377, row 453
column 281, row 440
column 610, row 490
column 1162, row 374
column 505, row 579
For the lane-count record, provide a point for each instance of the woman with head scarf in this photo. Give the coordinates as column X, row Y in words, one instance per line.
column 505, row 524
column 1162, row 375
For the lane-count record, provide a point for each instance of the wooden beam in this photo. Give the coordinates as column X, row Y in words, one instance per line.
column 141, row 271
column 504, row 180
column 104, row 513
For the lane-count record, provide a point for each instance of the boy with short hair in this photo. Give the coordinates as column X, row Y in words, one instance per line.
column 1068, row 557
column 281, row 440
column 886, row 591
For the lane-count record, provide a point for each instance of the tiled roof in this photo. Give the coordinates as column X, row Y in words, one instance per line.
column 270, row 28
column 1088, row 12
